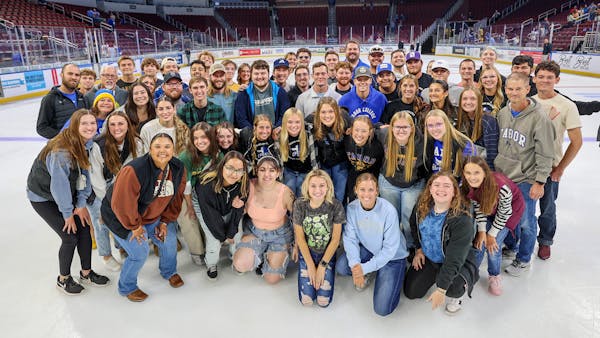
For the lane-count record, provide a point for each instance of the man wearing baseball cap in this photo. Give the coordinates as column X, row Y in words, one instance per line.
column 169, row 65
column 376, row 57
column 173, row 88
column 441, row 71
column 362, row 99
column 281, row 71
column 219, row 93
column 414, row 65
column 387, row 82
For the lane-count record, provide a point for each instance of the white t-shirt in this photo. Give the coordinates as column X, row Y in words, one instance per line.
column 152, row 128
column 567, row 118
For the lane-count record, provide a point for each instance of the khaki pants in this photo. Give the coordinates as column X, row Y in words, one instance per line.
column 191, row 231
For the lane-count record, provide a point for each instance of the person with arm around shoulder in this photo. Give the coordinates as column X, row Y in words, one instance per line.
column 375, row 247
column 269, row 236
column 116, row 146
column 143, row 204
column 318, row 219
column 58, row 186
column 443, row 232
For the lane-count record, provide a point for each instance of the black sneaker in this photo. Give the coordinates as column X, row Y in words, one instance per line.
column 93, row 279
column 69, row 286
column 258, row 269
column 212, row 273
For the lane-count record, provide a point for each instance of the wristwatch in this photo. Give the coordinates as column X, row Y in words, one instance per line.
column 324, row 264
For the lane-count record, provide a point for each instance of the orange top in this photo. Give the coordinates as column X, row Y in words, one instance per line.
column 267, row 218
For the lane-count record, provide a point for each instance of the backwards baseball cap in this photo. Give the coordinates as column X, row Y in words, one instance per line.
column 440, row 64
column 413, row 55
column 172, row 75
column 104, row 94
column 362, row 71
column 165, row 60
column 216, row 67
column 281, row 63
column 384, row 67
column 376, row 49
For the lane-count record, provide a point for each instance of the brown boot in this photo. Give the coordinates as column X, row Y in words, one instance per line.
column 175, row 281
column 137, row 296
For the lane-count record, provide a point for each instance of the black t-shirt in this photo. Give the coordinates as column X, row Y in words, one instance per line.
column 394, row 107
column 424, row 81
column 124, row 85
column 342, row 92
column 294, row 163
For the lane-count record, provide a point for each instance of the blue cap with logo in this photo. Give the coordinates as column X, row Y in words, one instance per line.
column 281, row 63
column 384, row 67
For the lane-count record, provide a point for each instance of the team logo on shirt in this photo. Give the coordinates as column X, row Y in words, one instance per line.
column 514, row 135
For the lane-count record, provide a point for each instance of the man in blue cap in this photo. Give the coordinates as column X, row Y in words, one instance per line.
column 281, row 71
column 362, row 98
column 387, row 82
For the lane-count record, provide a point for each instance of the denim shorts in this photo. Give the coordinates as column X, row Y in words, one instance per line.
column 266, row 241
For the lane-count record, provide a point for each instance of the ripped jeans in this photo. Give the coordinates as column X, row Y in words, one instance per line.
column 266, row 241
column 324, row 295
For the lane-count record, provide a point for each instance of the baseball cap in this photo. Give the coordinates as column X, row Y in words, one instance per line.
column 216, row 67
column 362, row 71
column 164, row 61
column 281, row 63
column 413, row 55
column 384, row 67
column 172, row 75
column 375, row 49
column 440, row 64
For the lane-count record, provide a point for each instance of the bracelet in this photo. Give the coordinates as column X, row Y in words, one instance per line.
column 442, row 291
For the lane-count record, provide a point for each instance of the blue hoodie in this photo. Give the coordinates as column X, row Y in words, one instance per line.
column 373, row 106
column 244, row 106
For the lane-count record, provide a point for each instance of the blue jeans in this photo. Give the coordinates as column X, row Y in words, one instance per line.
column 495, row 259
column 293, row 180
column 325, row 293
column 404, row 200
column 101, row 232
column 339, row 176
column 547, row 219
column 278, row 240
column 388, row 282
column 138, row 253
column 526, row 231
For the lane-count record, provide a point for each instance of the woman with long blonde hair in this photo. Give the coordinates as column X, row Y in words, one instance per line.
column 444, row 146
column 258, row 142
column 401, row 175
column 491, row 84
column 297, row 149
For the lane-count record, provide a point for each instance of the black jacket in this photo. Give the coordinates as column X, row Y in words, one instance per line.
column 457, row 236
column 216, row 205
column 55, row 110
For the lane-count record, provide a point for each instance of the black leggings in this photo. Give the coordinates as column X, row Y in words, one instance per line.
column 81, row 239
column 417, row 283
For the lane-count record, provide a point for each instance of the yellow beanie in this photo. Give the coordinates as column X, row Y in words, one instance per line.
column 103, row 94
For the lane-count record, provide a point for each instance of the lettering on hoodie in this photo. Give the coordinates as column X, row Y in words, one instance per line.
column 514, row 135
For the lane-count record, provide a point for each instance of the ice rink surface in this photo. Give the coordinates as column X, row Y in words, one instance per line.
column 558, row 298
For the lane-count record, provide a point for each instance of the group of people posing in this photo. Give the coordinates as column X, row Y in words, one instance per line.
column 415, row 178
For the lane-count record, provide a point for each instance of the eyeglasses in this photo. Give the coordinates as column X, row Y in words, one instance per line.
column 232, row 170
column 435, row 125
column 172, row 85
column 109, row 76
column 402, row 128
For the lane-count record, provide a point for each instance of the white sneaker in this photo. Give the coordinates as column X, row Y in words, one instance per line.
column 198, row 260
column 112, row 264
column 453, row 305
column 517, row 268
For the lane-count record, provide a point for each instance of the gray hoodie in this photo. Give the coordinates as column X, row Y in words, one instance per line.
column 525, row 147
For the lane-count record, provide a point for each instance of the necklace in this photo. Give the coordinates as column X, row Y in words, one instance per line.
column 229, row 191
